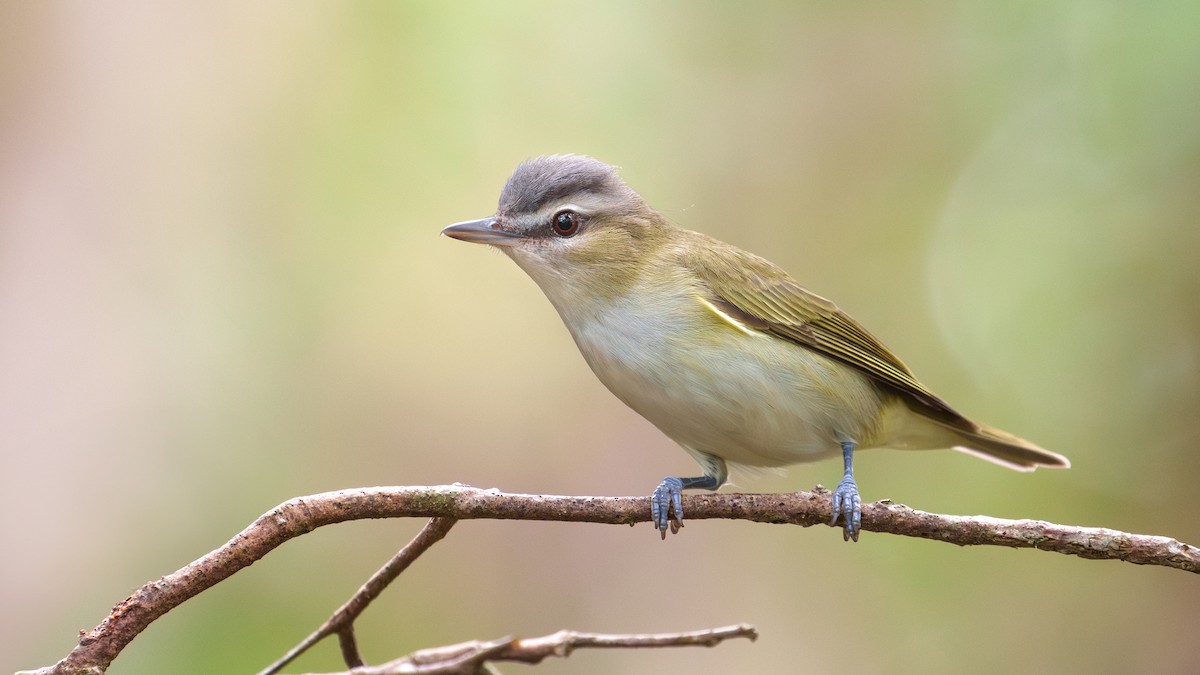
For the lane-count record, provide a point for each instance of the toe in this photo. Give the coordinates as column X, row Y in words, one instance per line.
column 848, row 506
column 666, row 506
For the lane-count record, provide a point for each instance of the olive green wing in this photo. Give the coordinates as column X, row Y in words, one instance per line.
column 763, row 297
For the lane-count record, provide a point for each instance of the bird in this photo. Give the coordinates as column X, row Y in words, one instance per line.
column 720, row 349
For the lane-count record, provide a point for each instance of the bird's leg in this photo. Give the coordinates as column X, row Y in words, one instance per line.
column 846, row 502
column 666, row 504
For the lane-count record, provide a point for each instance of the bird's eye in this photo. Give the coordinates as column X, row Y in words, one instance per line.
column 565, row 223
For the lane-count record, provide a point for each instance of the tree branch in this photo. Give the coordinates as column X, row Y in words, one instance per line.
column 342, row 621
column 98, row 647
column 468, row 658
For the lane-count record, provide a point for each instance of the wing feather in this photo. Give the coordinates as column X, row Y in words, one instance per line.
column 763, row 297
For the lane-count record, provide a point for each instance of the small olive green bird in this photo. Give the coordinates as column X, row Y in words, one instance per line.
column 718, row 348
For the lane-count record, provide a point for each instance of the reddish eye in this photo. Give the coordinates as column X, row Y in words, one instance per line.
column 565, row 223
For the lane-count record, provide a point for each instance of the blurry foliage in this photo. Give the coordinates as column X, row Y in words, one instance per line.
column 221, row 286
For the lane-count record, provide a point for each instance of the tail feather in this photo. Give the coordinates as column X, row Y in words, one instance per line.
column 910, row 427
column 1006, row 449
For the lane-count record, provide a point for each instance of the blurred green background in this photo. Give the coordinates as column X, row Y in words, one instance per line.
column 222, row 286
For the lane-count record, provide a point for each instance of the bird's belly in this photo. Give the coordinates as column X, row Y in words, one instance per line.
column 749, row 399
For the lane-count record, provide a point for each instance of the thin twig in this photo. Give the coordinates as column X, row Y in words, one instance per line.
column 467, row 658
column 97, row 648
column 341, row 622
column 349, row 646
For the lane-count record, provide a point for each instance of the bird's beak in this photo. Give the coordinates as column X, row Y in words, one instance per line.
column 483, row 231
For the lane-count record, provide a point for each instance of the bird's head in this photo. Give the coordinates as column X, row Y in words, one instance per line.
column 570, row 220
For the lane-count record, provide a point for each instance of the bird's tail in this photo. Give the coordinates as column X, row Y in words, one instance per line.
column 918, row 427
column 1005, row 449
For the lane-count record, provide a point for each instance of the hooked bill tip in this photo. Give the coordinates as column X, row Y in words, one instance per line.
column 482, row 231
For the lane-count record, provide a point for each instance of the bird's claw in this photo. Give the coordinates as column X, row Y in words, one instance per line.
column 848, row 506
column 666, row 506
